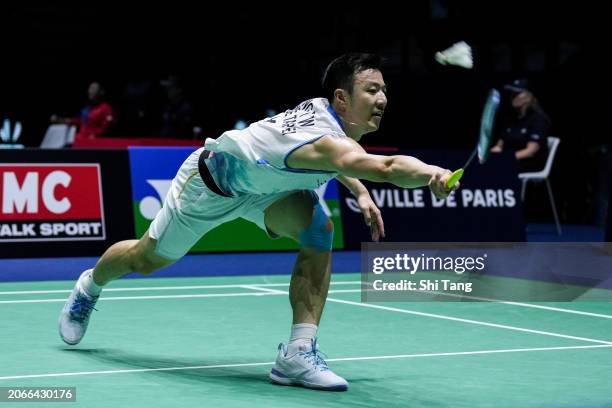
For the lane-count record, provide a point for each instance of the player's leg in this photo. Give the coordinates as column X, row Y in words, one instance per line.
column 189, row 211
column 300, row 217
column 121, row 258
column 129, row 256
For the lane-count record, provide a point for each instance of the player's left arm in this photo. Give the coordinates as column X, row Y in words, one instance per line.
column 371, row 213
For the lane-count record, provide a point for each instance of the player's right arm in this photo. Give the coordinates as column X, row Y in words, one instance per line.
column 347, row 157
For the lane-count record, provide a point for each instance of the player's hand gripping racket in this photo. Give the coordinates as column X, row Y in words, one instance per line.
column 484, row 140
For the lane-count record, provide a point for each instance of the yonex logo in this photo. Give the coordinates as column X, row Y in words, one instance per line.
column 150, row 205
column 321, row 193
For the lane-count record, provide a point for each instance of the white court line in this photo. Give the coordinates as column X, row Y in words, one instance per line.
column 444, row 317
column 272, row 292
column 456, row 319
column 205, row 295
column 34, row 292
column 202, row 367
column 506, row 302
column 552, row 308
column 282, row 292
column 520, row 304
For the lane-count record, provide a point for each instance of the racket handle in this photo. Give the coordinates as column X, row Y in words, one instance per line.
column 454, row 178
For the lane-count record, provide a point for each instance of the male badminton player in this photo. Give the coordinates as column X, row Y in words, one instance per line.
column 266, row 174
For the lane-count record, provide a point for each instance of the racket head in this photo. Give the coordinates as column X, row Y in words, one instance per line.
column 487, row 122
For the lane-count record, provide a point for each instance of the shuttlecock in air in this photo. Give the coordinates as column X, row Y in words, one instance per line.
column 460, row 54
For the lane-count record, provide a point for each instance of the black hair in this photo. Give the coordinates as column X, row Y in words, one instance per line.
column 340, row 73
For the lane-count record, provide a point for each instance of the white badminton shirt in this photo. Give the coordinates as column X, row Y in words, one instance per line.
column 253, row 160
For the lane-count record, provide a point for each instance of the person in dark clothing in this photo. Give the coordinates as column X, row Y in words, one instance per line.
column 527, row 130
column 178, row 113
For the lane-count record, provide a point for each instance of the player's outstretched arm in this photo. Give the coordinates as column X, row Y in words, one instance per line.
column 348, row 158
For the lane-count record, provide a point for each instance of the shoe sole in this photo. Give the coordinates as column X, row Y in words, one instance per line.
column 68, row 342
column 281, row 379
column 65, row 340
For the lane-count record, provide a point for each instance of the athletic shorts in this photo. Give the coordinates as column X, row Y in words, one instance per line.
column 191, row 209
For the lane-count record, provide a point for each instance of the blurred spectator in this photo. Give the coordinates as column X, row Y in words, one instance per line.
column 138, row 108
column 95, row 118
column 527, row 129
column 178, row 112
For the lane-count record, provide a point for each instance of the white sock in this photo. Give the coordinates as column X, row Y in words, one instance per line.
column 301, row 333
column 88, row 285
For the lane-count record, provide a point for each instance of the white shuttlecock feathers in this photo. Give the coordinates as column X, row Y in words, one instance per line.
column 460, row 54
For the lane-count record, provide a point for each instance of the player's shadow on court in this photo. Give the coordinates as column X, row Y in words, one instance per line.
column 175, row 368
column 254, row 379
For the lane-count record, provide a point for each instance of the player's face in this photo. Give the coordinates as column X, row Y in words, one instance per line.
column 368, row 101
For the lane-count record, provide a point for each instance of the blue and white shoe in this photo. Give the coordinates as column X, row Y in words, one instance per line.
column 75, row 315
column 306, row 368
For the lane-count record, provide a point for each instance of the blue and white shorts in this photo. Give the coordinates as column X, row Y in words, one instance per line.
column 191, row 209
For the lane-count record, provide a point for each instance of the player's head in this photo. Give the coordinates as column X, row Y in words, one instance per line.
column 355, row 87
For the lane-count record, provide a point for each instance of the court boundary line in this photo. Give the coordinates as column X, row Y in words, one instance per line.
column 135, row 289
column 197, row 296
column 456, row 319
column 257, row 291
column 153, row 288
column 384, row 357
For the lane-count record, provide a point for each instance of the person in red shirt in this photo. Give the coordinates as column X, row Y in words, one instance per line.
column 95, row 117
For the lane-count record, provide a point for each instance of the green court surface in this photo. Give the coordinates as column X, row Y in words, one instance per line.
column 210, row 342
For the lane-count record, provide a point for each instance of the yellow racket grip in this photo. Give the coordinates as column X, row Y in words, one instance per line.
column 454, row 178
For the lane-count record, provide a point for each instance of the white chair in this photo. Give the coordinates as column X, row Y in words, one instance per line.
column 58, row 136
column 70, row 135
column 539, row 176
